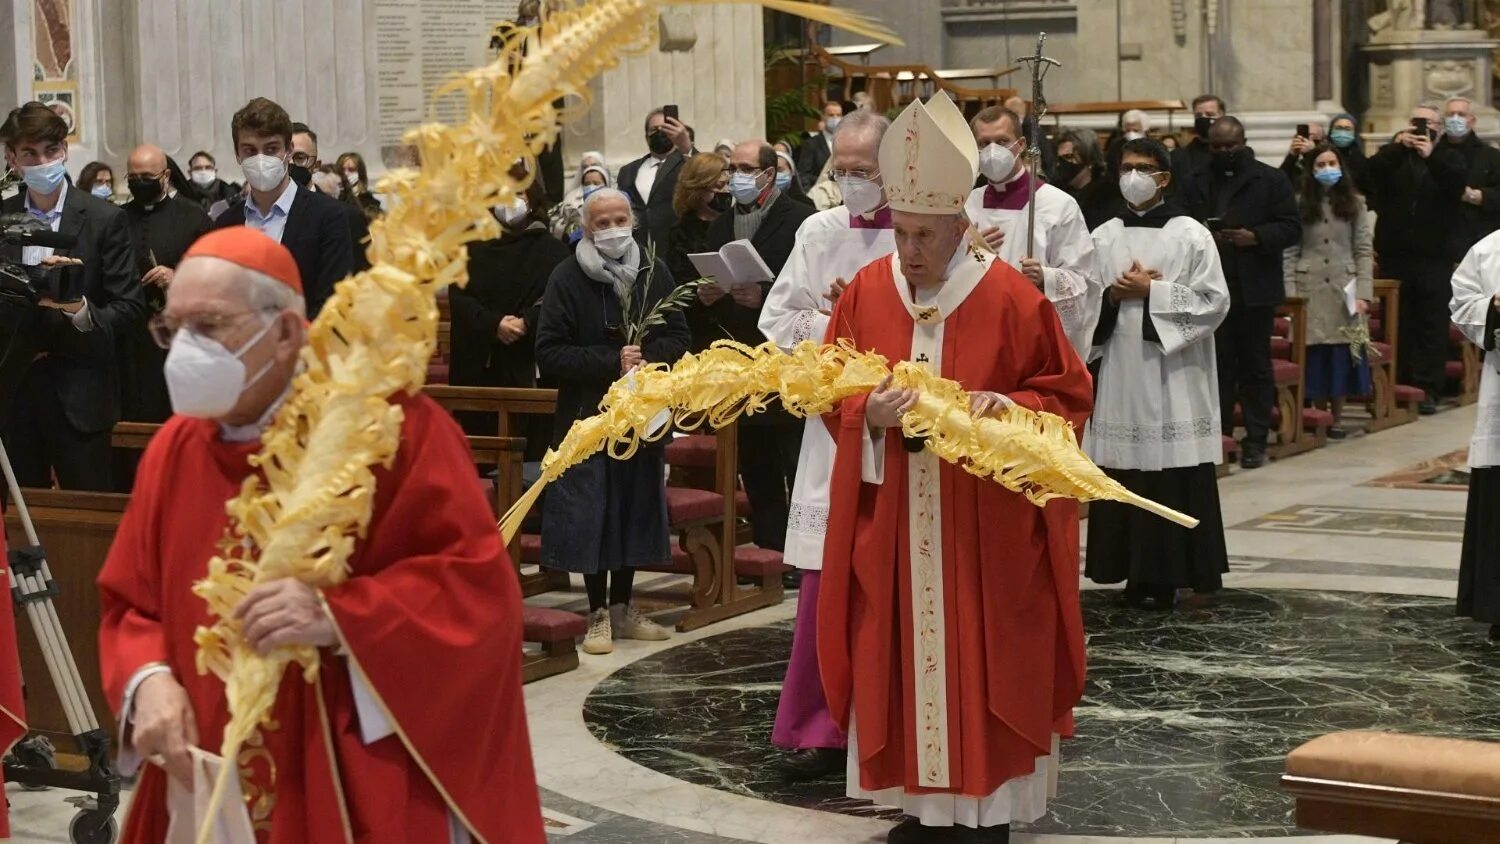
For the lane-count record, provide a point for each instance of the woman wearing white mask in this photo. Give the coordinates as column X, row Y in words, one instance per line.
column 98, row 179
column 605, row 517
column 1155, row 426
column 356, row 178
column 495, row 315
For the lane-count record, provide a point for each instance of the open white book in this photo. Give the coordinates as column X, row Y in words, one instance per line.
column 736, row 263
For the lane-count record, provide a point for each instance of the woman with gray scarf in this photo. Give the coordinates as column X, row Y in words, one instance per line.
column 605, row 517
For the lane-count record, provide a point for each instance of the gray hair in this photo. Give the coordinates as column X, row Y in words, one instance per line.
column 1465, row 100
column 603, row 194
column 267, row 294
column 1136, row 115
column 861, row 121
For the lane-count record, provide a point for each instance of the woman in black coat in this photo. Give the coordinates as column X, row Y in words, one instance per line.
column 605, row 516
column 495, row 316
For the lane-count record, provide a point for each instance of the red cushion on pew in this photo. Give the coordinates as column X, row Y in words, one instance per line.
column 697, row 451
column 545, row 624
column 531, row 548
column 755, row 561
column 1383, row 350
column 437, row 373
column 1376, row 327
column 1282, row 327
column 1313, row 418
column 692, row 505
column 1281, row 348
column 1455, row 336
column 1453, row 368
column 1407, row 394
column 1284, row 372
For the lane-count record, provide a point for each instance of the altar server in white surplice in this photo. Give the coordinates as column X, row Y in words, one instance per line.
column 1156, row 412
column 1476, row 312
column 1063, row 266
column 831, row 247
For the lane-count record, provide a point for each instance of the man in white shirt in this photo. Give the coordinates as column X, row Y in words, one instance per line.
column 1061, row 261
column 58, row 386
column 651, row 180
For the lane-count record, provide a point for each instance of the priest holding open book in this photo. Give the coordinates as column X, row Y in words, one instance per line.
column 768, row 221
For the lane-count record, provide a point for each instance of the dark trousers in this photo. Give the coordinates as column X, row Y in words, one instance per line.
column 1422, row 347
column 768, row 467
column 1243, row 346
column 41, row 441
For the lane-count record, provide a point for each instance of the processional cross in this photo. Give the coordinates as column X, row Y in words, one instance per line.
column 1039, row 64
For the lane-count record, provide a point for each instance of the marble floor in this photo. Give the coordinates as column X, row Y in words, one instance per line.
column 1337, row 615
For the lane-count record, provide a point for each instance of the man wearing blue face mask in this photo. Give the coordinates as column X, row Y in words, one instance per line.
column 62, row 406
column 769, row 219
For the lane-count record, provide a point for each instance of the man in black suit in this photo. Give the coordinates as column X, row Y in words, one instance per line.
column 305, row 162
column 651, row 180
column 815, row 151
column 769, row 219
column 1252, row 211
column 1207, row 108
column 58, row 371
column 312, row 226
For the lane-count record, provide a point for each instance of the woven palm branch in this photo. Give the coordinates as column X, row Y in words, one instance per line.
column 1034, row 454
column 375, row 335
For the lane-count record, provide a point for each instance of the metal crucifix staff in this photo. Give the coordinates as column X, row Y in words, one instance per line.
column 1039, row 67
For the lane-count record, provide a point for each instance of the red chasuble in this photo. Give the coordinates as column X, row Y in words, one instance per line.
column 430, row 616
column 949, row 625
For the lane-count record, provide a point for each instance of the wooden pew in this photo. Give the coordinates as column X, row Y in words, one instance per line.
column 1290, row 376
column 892, row 86
column 1386, row 409
column 1465, row 368
column 1060, row 110
column 1419, row 789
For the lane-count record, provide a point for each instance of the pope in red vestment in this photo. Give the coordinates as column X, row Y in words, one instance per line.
column 415, row 728
column 950, row 637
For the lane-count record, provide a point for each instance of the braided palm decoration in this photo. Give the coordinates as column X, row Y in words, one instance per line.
column 1034, row 454
column 374, row 336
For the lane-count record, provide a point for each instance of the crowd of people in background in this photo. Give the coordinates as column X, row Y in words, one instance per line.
column 544, row 301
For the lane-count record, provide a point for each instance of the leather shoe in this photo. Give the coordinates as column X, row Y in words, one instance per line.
column 1252, row 456
column 1427, row 407
column 813, row 763
column 791, row 579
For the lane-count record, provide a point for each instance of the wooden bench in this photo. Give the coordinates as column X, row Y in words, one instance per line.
column 1418, row 789
column 1296, row 431
column 893, row 86
column 1464, row 369
column 1057, row 111
column 1385, row 402
column 555, row 630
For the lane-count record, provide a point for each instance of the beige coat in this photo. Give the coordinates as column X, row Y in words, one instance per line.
column 1332, row 252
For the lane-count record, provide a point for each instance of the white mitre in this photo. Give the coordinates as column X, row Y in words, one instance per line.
column 929, row 160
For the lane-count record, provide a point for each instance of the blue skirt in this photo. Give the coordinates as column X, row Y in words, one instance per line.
column 1333, row 374
column 606, row 514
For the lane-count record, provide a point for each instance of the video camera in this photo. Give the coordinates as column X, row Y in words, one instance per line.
column 19, row 284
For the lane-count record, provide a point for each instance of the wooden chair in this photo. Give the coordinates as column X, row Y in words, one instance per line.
column 1418, row 789
column 1386, row 408
column 893, row 86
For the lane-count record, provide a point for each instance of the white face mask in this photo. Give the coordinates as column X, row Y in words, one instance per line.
column 264, row 172
column 204, row 379
column 996, row 162
column 861, row 196
column 352, row 177
column 1131, row 134
column 514, row 214
column 1137, row 188
column 204, row 178
column 613, row 243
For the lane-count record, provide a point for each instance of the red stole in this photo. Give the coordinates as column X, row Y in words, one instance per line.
column 1012, row 629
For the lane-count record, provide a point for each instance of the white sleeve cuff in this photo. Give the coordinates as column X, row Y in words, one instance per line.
column 83, row 320
column 128, row 761
column 872, row 458
column 373, row 725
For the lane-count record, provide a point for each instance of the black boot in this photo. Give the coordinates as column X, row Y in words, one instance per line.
column 1252, row 455
column 813, row 763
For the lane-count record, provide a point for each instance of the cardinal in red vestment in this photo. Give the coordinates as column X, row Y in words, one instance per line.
column 415, row 728
column 950, row 637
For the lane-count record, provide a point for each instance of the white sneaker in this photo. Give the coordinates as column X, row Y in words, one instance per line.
column 599, row 639
column 630, row 624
